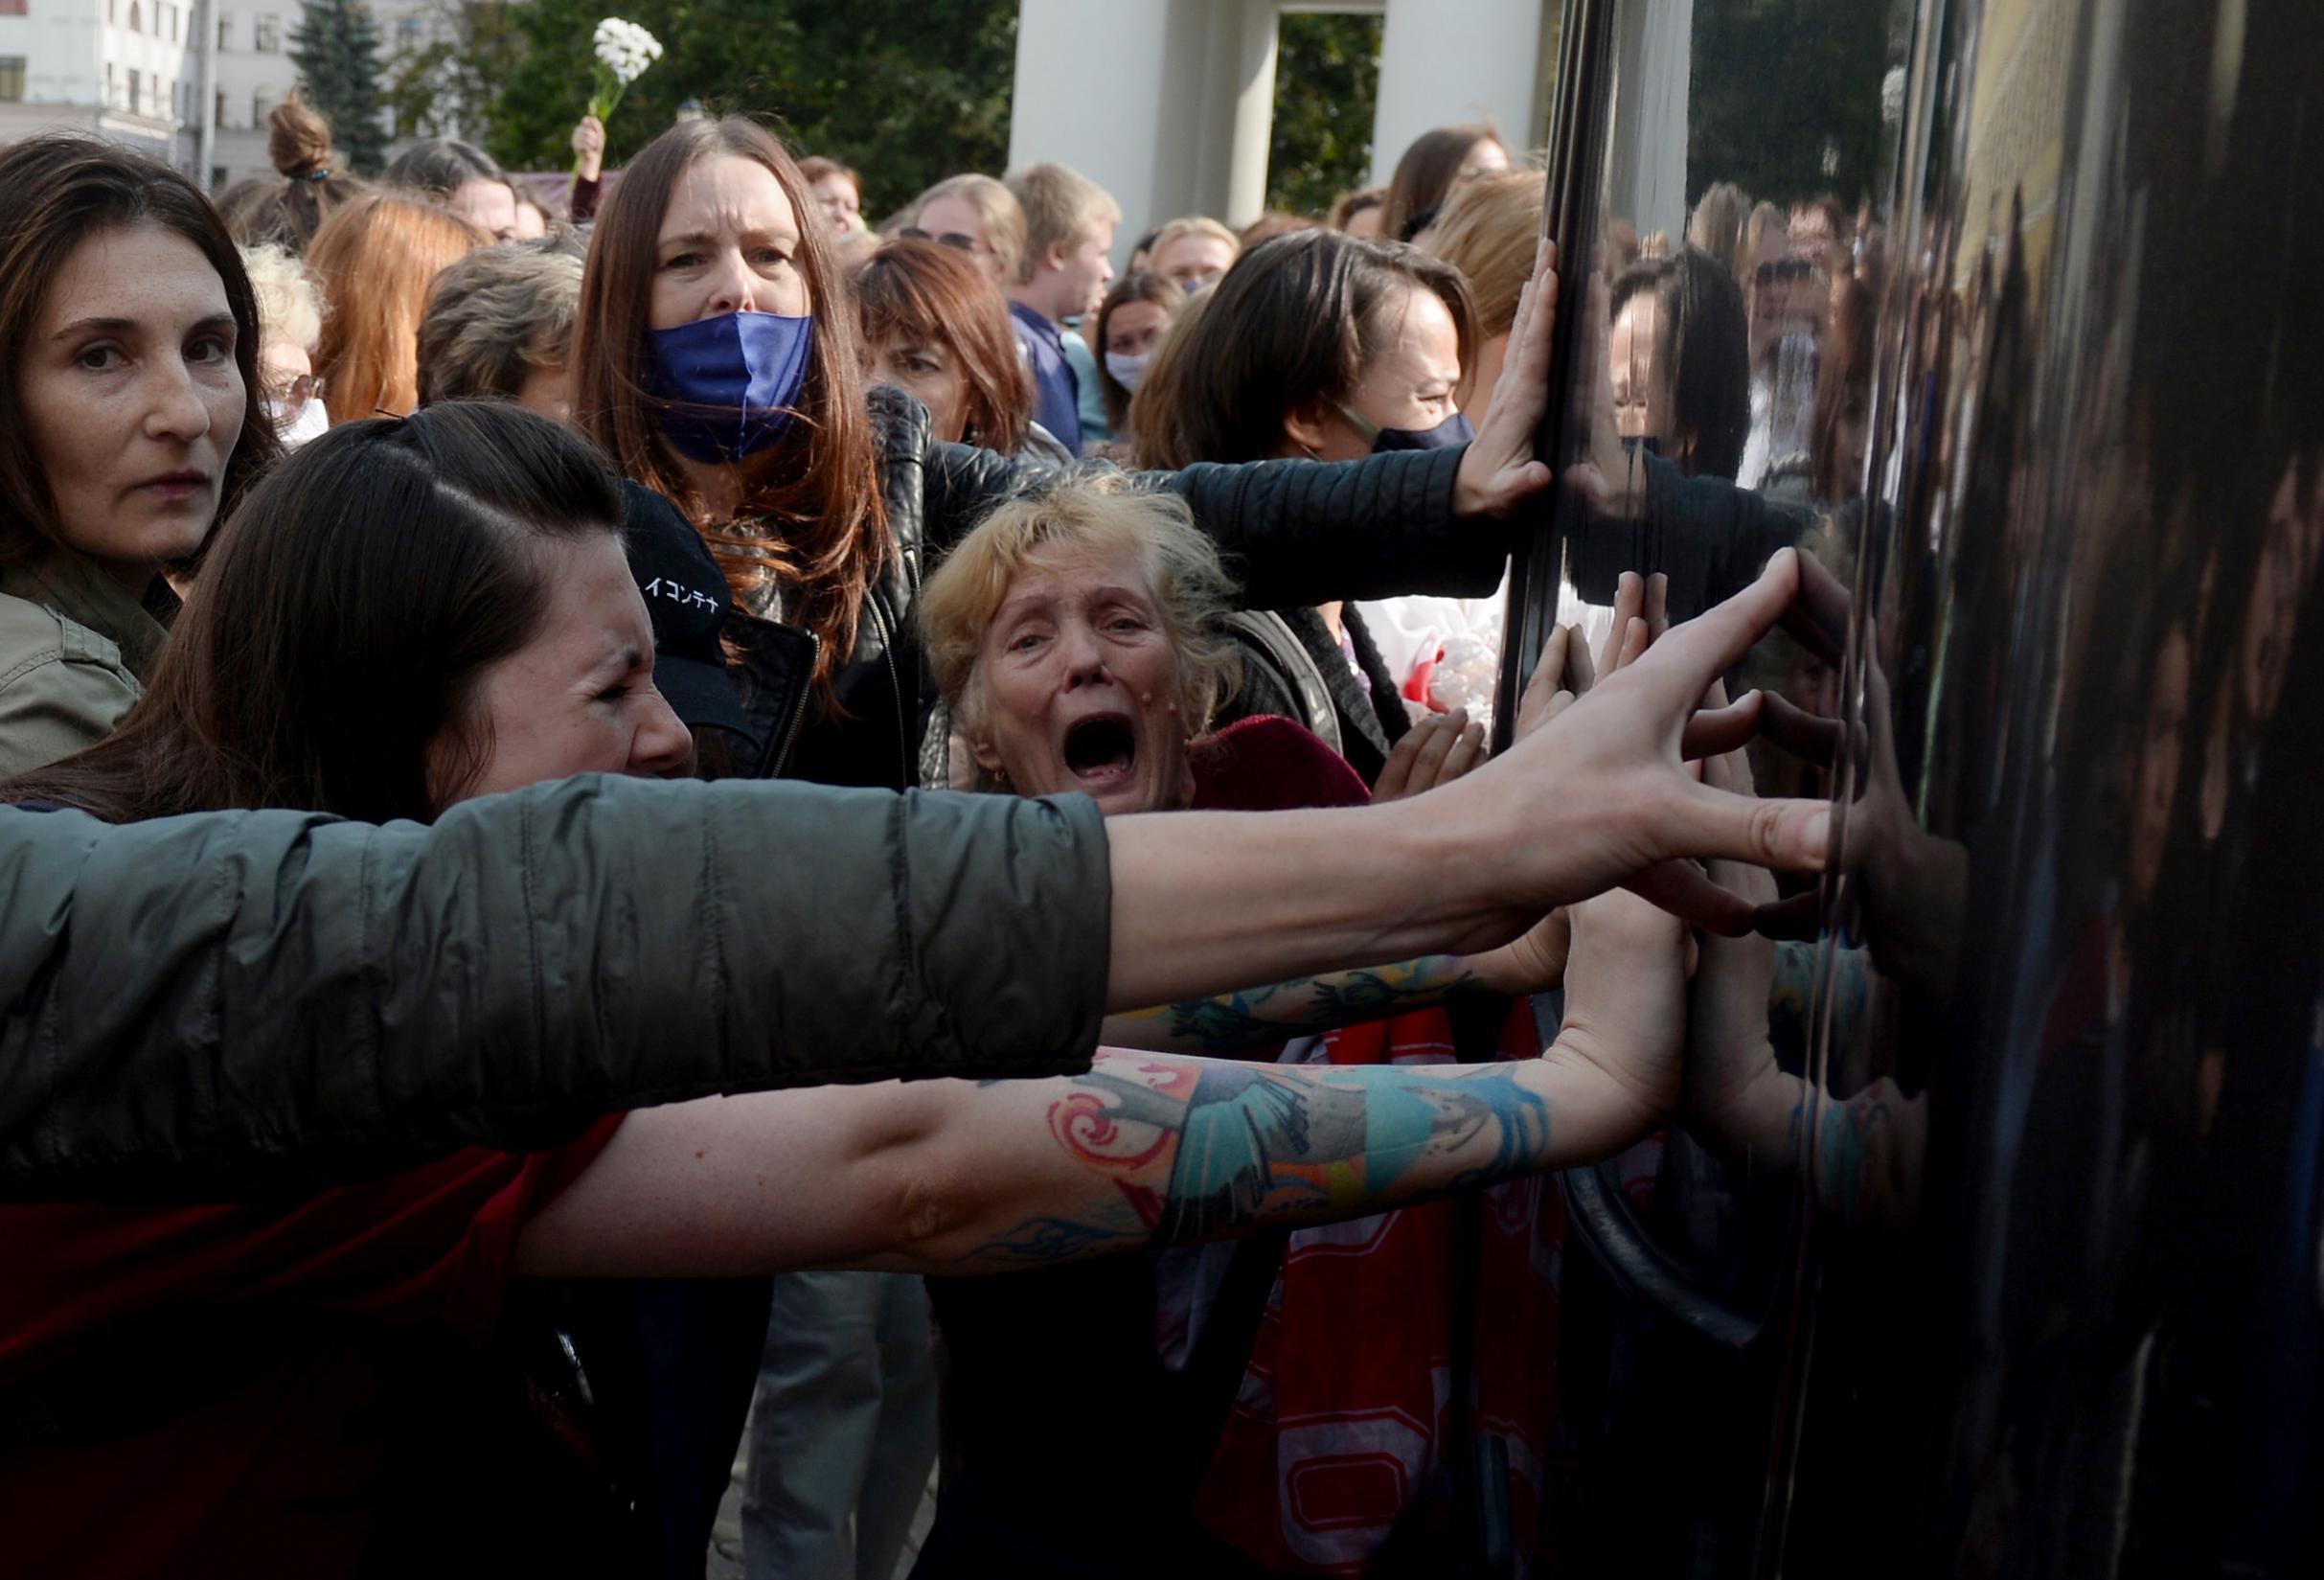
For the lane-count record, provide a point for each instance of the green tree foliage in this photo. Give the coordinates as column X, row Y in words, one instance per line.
column 1327, row 81
column 1784, row 97
column 445, row 87
column 906, row 91
column 336, row 48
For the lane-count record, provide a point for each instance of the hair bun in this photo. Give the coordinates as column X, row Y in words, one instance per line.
column 298, row 139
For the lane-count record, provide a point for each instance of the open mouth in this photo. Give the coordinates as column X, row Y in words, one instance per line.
column 1101, row 752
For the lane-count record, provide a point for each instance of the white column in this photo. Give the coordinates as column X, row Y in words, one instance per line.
column 1444, row 61
column 1646, row 164
column 1090, row 93
column 1254, row 114
column 205, row 88
column 1165, row 104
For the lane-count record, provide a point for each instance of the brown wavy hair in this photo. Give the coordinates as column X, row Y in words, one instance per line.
column 378, row 259
column 62, row 189
column 923, row 291
column 813, row 512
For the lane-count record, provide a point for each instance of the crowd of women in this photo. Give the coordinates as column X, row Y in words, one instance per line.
column 359, row 500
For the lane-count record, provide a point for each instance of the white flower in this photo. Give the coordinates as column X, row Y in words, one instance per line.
column 624, row 49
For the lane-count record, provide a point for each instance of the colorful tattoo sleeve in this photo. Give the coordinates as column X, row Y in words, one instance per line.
column 1179, row 1149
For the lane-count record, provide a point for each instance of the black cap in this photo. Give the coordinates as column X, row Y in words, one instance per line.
column 686, row 595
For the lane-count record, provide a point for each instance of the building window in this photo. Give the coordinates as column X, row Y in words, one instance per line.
column 408, row 29
column 258, row 106
column 267, row 30
column 11, row 77
column 12, row 7
column 225, row 30
column 137, row 84
column 220, row 110
column 137, row 21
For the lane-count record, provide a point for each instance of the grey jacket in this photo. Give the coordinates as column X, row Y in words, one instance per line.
column 252, row 1000
column 76, row 650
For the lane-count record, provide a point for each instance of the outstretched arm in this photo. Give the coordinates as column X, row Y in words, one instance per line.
column 1144, row 1148
column 370, row 996
column 1235, row 1025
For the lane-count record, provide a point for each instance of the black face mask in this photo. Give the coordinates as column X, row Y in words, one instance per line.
column 1453, row 430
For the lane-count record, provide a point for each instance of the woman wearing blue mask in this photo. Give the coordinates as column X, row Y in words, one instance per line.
column 715, row 359
column 1321, row 345
column 709, row 365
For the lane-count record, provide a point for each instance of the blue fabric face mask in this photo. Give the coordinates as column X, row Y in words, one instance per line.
column 727, row 386
column 1455, row 429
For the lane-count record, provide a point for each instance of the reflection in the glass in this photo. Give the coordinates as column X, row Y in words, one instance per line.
column 2002, row 1154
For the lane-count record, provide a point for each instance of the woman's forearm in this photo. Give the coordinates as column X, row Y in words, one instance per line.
column 950, row 1177
column 1205, row 899
column 1234, row 1026
column 1157, row 1149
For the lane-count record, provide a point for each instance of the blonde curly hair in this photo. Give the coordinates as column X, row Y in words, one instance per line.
column 1097, row 514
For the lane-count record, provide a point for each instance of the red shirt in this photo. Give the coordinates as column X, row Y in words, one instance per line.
column 276, row 1467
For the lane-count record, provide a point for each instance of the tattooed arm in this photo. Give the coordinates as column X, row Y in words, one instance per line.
column 1146, row 1149
column 1235, row 1025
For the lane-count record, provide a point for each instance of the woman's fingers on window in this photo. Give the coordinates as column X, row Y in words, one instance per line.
column 1546, row 692
column 1629, row 603
column 1467, row 751
column 1684, row 890
column 1713, row 732
column 1395, row 781
column 1694, row 653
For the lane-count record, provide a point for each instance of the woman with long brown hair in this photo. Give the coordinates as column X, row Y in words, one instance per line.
column 378, row 258
column 131, row 416
column 711, row 365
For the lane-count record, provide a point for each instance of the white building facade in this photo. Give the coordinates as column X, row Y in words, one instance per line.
column 117, row 67
column 133, row 70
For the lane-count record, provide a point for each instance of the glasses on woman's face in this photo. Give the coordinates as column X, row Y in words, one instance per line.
column 290, row 396
column 958, row 241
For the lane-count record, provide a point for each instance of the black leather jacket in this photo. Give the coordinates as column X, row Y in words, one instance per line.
column 1294, row 531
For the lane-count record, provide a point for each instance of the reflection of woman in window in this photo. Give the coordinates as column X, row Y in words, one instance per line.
column 1679, row 362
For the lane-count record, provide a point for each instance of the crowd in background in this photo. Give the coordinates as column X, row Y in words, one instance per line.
column 776, row 517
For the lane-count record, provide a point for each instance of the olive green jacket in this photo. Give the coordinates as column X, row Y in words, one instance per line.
column 75, row 651
column 252, row 1000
